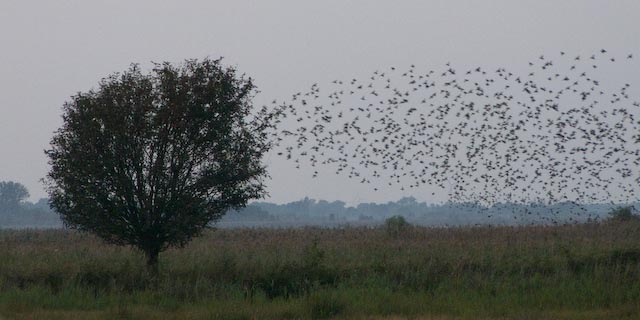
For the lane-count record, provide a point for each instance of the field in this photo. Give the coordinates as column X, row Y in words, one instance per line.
column 588, row 271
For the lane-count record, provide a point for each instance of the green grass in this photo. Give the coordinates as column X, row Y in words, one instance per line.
column 589, row 271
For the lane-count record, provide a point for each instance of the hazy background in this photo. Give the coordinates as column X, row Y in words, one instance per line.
column 49, row 50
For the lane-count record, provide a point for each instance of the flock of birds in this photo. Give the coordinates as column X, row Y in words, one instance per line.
column 551, row 132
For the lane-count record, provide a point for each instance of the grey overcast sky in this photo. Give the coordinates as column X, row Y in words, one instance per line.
column 49, row 50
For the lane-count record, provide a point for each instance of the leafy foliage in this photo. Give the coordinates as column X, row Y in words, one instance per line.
column 150, row 160
column 396, row 226
column 12, row 194
column 623, row 214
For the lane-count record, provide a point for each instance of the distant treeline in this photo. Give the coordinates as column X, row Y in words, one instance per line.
column 16, row 213
column 29, row 215
column 310, row 212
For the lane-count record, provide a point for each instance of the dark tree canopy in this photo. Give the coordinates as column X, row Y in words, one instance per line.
column 150, row 160
column 12, row 194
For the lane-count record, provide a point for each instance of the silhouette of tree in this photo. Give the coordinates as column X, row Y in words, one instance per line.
column 11, row 195
column 149, row 160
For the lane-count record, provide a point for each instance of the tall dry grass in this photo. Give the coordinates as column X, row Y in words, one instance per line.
column 567, row 272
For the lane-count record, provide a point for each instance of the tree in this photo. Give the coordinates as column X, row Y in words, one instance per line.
column 396, row 226
column 623, row 214
column 12, row 194
column 149, row 160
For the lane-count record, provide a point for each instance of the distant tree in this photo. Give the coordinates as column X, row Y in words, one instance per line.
column 43, row 203
column 249, row 213
column 12, row 194
column 396, row 226
column 149, row 160
column 623, row 214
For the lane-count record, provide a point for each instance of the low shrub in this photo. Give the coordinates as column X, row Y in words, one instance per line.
column 623, row 214
column 396, row 226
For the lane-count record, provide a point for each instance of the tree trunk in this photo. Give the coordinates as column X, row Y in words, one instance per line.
column 152, row 262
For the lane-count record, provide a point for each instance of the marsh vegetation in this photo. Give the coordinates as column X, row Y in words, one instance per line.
column 586, row 271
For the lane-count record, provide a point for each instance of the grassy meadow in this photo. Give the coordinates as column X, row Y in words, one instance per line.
column 588, row 271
